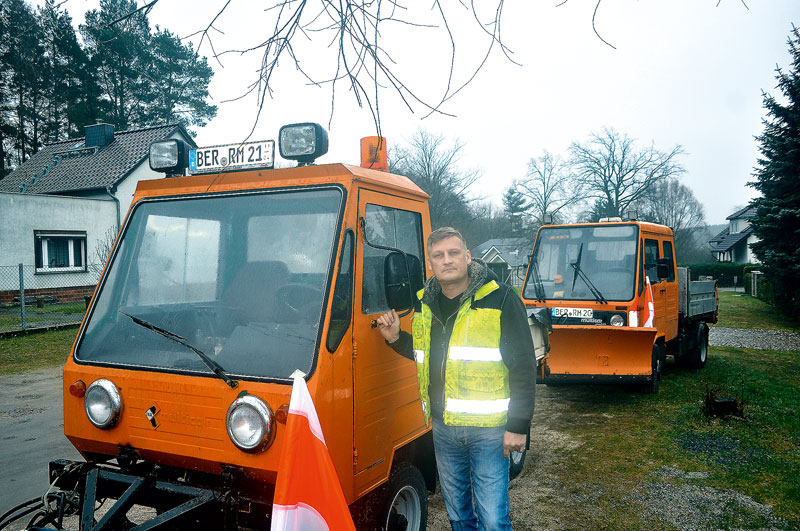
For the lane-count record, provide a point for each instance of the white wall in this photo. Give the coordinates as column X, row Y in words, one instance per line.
column 22, row 214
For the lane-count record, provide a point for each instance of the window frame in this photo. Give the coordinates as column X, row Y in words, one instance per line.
column 41, row 252
column 420, row 242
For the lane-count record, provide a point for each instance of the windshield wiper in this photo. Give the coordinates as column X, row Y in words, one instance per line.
column 576, row 265
column 537, row 280
column 215, row 367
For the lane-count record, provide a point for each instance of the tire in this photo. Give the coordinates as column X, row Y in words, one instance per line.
column 401, row 504
column 516, row 461
column 651, row 386
column 699, row 354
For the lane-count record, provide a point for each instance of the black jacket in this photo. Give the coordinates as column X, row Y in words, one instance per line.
column 516, row 345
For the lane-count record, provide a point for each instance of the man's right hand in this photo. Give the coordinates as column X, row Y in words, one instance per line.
column 389, row 326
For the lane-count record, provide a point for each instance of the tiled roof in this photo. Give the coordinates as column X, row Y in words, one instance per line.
column 724, row 242
column 68, row 166
column 747, row 212
column 514, row 251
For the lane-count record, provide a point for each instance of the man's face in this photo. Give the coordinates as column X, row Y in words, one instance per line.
column 449, row 260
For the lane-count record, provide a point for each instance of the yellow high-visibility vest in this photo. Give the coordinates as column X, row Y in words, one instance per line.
column 476, row 389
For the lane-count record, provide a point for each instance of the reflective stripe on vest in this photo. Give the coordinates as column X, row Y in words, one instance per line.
column 475, row 354
column 419, row 356
column 477, row 407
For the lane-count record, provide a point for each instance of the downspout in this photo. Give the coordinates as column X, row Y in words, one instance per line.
column 112, row 196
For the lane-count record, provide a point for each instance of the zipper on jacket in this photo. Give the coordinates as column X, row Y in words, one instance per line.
column 445, row 341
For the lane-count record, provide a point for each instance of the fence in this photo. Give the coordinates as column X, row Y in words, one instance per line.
column 31, row 300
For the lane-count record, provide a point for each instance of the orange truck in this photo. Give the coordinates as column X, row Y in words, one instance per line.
column 223, row 283
column 593, row 278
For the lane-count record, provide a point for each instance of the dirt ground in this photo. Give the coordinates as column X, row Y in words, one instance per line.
column 541, row 498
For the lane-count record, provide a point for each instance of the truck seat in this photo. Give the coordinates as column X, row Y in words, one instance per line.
column 253, row 289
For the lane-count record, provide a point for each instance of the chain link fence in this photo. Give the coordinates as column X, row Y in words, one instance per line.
column 32, row 299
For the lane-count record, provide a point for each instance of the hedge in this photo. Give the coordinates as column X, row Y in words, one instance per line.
column 723, row 272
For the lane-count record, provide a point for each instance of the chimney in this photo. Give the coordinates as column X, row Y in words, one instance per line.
column 99, row 135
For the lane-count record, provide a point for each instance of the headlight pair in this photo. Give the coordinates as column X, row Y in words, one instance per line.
column 250, row 421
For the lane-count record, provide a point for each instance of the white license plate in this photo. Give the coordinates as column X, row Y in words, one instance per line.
column 581, row 313
column 232, row 157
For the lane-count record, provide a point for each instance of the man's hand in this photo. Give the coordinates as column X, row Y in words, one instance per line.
column 513, row 442
column 389, row 326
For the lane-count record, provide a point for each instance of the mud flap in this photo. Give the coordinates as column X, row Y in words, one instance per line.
column 600, row 353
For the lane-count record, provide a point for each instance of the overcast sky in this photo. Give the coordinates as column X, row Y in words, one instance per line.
column 684, row 72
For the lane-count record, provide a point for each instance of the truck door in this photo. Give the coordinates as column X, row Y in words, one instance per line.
column 387, row 409
column 651, row 256
column 670, row 289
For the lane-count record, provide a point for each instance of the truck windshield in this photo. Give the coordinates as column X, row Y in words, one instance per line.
column 607, row 258
column 242, row 277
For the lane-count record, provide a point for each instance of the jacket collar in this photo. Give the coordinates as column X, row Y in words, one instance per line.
column 479, row 274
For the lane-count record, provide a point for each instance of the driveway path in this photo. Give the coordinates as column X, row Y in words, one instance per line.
column 753, row 338
column 31, row 434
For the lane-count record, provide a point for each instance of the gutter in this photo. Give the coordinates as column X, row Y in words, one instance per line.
column 114, row 198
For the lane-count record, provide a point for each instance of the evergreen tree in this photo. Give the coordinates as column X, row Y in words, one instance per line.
column 515, row 206
column 777, row 221
column 69, row 85
column 145, row 78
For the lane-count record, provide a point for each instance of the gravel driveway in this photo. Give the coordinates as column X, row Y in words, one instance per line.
column 753, row 338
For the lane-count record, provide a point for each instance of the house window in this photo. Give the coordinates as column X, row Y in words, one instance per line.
column 57, row 251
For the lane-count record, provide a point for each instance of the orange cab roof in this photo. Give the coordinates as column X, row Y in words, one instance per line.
column 646, row 226
column 274, row 178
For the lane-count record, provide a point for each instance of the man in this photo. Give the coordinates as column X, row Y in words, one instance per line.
column 477, row 377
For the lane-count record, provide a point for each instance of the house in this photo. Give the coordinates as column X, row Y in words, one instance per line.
column 733, row 243
column 506, row 257
column 60, row 208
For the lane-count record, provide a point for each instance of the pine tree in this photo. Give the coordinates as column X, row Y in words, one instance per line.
column 146, row 78
column 515, row 206
column 777, row 221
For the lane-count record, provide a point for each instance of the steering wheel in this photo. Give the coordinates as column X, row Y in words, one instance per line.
column 294, row 302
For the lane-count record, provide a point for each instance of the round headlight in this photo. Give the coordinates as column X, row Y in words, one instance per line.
column 250, row 423
column 617, row 320
column 102, row 403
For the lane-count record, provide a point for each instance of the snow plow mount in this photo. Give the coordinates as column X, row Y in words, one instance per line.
column 177, row 502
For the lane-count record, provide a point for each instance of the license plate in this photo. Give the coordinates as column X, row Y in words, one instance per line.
column 581, row 313
column 232, row 157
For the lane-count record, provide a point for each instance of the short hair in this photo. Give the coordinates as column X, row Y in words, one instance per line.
column 445, row 232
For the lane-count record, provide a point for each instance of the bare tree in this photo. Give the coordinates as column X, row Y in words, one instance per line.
column 616, row 173
column 433, row 165
column 352, row 29
column 549, row 187
column 673, row 204
column 102, row 250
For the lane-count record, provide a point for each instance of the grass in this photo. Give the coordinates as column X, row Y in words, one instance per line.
column 626, row 440
column 737, row 310
column 38, row 350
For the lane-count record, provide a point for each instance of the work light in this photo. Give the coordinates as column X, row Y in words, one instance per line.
column 169, row 156
column 303, row 142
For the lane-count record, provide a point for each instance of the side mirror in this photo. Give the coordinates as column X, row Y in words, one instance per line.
column 663, row 268
column 402, row 276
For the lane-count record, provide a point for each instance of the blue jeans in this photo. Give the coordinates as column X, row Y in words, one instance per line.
column 470, row 462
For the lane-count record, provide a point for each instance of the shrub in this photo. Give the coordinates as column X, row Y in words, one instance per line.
column 723, row 272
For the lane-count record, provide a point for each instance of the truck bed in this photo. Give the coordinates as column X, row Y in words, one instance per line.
column 697, row 299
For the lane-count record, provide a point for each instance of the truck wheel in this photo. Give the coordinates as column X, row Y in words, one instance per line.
column 401, row 504
column 515, row 463
column 651, row 386
column 699, row 354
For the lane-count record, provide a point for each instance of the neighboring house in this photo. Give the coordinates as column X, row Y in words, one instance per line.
column 60, row 205
column 733, row 243
column 506, row 257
